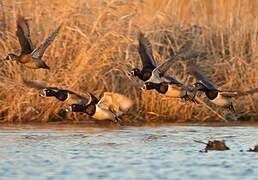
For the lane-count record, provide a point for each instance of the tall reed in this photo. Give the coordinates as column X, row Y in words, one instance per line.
column 97, row 46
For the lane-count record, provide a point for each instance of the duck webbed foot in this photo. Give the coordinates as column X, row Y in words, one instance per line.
column 189, row 98
column 231, row 108
column 117, row 120
column 186, row 98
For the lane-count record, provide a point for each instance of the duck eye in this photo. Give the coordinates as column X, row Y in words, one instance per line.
column 73, row 106
column 135, row 71
column 148, row 84
column 76, row 108
column 48, row 92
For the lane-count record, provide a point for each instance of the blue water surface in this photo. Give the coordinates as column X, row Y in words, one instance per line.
column 130, row 153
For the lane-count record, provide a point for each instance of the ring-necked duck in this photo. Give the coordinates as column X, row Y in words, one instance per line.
column 67, row 96
column 150, row 72
column 30, row 57
column 109, row 107
column 171, row 90
column 219, row 97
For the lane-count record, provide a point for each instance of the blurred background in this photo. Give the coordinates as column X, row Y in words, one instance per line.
column 97, row 46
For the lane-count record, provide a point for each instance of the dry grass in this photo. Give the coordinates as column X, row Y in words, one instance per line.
column 97, row 46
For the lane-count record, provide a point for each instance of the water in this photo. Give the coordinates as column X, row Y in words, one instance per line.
column 131, row 153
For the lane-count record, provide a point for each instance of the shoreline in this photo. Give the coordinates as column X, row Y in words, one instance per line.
column 68, row 125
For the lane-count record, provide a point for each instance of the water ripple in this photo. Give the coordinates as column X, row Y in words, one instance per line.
column 133, row 153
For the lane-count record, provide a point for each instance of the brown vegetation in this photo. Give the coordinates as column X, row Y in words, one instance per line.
column 97, row 47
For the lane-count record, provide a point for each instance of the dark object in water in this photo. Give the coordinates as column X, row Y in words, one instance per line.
column 254, row 150
column 215, row 145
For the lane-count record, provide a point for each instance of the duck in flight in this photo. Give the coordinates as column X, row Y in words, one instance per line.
column 30, row 57
column 150, row 72
column 64, row 95
column 218, row 97
column 109, row 107
column 172, row 90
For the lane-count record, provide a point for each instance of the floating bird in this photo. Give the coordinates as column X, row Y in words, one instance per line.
column 219, row 97
column 149, row 71
column 172, row 90
column 255, row 149
column 31, row 58
column 215, row 145
column 109, row 107
column 66, row 96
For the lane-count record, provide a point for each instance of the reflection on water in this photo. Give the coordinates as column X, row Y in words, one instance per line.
column 133, row 153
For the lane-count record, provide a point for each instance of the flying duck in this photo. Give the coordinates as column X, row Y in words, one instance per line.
column 218, row 97
column 172, row 90
column 150, row 72
column 109, row 107
column 30, row 57
column 66, row 96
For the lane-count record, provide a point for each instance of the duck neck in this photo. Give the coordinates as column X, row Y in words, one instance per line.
column 162, row 87
column 139, row 74
column 211, row 94
column 145, row 75
column 60, row 95
column 78, row 108
column 90, row 109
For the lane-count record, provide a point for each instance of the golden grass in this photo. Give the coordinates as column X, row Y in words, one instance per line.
column 97, row 46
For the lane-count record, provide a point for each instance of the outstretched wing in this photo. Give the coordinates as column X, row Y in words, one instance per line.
column 163, row 68
column 200, row 77
column 186, row 50
column 74, row 97
column 239, row 93
column 23, row 34
column 145, row 51
column 171, row 80
column 35, row 85
column 39, row 51
column 134, row 82
column 116, row 102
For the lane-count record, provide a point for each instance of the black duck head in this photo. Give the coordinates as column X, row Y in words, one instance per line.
column 135, row 72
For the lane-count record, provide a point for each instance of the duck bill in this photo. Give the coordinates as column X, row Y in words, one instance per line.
column 131, row 73
column 143, row 87
column 7, row 58
column 46, row 67
column 68, row 109
column 43, row 93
